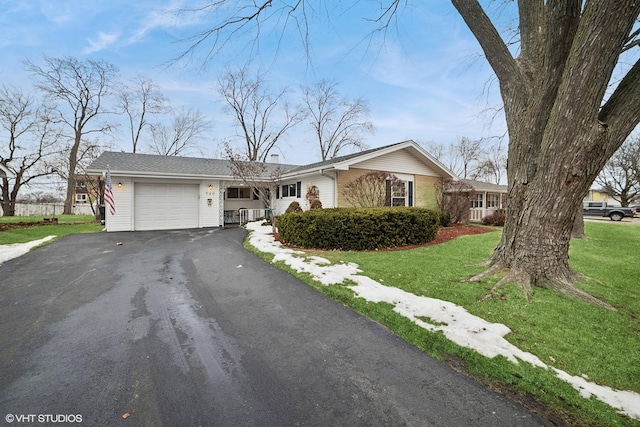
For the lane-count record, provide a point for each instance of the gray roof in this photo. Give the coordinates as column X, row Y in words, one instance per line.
column 148, row 164
column 120, row 163
column 339, row 159
column 485, row 186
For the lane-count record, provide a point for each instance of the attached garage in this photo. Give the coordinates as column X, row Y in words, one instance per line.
column 163, row 206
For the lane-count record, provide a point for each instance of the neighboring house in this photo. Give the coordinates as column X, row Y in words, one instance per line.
column 87, row 189
column 165, row 192
column 598, row 195
column 487, row 199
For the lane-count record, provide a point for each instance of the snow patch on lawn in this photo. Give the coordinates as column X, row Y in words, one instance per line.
column 456, row 323
column 15, row 250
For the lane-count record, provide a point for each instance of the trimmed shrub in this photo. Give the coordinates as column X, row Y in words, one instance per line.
column 497, row 218
column 293, row 207
column 359, row 229
column 445, row 219
column 315, row 204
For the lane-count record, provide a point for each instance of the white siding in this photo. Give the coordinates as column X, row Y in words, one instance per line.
column 397, row 162
column 206, row 215
column 325, row 185
column 123, row 198
column 210, row 214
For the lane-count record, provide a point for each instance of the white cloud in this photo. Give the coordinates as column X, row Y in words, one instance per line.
column 103, row 41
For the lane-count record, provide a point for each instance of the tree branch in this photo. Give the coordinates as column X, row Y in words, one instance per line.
column 494, row 48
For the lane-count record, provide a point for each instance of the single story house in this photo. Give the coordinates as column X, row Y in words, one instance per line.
column 487, row 199
column 600, row 195
column 154, row 192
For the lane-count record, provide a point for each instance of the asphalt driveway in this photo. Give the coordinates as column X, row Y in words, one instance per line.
column 186, row 328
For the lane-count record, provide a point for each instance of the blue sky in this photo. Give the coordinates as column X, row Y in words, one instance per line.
column 425, row 80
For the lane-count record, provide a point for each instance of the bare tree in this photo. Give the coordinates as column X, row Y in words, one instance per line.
column 464, row 157
column 454, row 197
column 79, row 88
column 30, row 143
column 262, row 117
column 373, row 189
column 620, row 177
column 565, row 115
column 137, row 101
column 479, row 160
column 338, row 122
column 187, row 129
column 263, row 178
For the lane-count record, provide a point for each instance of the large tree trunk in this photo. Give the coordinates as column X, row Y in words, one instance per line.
column 71, row 179
column 562, row 129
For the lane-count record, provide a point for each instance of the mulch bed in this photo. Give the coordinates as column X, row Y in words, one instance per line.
column 14, row 225
column 444, row 234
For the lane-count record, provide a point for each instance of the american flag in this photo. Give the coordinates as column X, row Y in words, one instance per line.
column 108, row 195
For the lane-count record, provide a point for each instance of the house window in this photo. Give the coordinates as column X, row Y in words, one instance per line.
column 238, row 193
column 477, row 201
column 493, row 200
column 399, row 194
column 81, row 198
column 292, row 190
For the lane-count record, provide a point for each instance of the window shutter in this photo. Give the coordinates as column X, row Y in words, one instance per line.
column 387, row 194
column 410, row 193
column 298, row 189
column 277, row 192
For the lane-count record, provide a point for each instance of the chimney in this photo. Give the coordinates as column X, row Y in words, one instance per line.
column 275, row 158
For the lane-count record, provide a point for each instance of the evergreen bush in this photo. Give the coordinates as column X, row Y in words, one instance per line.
column 359, row 228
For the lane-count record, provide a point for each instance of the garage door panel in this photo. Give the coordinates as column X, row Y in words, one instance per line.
column 165, row 206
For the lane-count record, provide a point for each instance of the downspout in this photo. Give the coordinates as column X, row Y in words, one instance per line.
column 335, row 187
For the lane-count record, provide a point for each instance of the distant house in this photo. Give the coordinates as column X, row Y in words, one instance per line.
column 486, row 199
column 161, row 192
column 599, row 195
column 87, row 190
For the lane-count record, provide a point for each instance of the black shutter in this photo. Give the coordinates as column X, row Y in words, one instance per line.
column 298, row 189
column 410, row 193
column 387, row 194
column 277, row 192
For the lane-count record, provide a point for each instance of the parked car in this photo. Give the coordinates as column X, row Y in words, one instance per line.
column 601, row 209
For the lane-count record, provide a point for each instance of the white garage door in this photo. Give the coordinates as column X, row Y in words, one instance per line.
column 165, row 206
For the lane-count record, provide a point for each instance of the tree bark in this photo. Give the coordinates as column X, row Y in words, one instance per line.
column 561, row 132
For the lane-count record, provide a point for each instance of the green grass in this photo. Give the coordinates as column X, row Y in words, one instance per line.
column 66, row 219
column 67, row 224
column 574, row 336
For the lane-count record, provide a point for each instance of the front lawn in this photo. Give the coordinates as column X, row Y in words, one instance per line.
column 584, row 340
column 27, row 228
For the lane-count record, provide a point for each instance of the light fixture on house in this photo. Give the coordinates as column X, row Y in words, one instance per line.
column 210, row 187
column 120, row 186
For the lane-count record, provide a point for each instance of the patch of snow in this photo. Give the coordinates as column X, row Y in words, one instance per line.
column 456, row 323
column 15, row 250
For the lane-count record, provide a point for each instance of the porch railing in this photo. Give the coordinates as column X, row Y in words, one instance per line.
column 253, row 214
